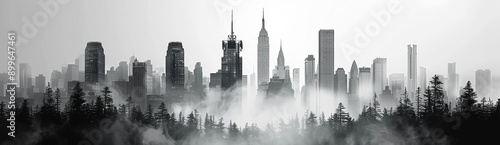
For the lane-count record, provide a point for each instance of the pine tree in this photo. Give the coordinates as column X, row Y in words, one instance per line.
column 108, row 101
column 438, row 105
column 428, row 103
column 98, row 108
column 468, row 98
column 58, row 100
column 419, row 105
column 76, row 101
column 192, row 124
column 150, row 118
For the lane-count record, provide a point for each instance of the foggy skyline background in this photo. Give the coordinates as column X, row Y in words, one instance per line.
column 444, row 31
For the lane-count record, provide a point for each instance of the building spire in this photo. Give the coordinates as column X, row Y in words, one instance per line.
column 263, row 21
column 281, row 56
column 232, row 32
column 232, row 36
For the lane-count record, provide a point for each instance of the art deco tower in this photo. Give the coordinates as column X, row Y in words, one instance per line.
column 263, row 54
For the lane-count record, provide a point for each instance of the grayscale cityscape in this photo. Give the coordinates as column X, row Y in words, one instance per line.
column 228, row 72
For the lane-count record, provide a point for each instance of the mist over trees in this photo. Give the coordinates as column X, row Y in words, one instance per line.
column 428, row 120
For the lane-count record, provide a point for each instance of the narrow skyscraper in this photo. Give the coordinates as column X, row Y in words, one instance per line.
column 139, row 83
column 340, row 84
column 198, row 79
column 412, row 70
column 94, row 64
column 326, row 62
column 174, row 72
column 422, row 79
column 231, row 67
column 309, row 84
column 353, row 79
column 452, row 89
column 379, row 69
column 296, row 82
column 263, row 54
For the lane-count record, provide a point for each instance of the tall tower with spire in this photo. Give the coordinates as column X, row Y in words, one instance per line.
column 231, row 67
column 263, row 54
column 282, row 71
column 353, row 79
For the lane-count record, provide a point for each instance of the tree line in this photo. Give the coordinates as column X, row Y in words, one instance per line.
column 429, row 119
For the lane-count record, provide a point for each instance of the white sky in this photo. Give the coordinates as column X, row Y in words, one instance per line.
column 462, row 31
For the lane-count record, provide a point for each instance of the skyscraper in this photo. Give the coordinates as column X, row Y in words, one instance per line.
column 340, row 84
column 379, row 69
column 198, row 78
column 353, row 79
column 55, row 76
column 365, row 84
column 25, row 79
column 139, row 83
column 296, row 82
column 412, row 69
column 130, row 65
column 422, row 79
column 231, row 67
column 263, row 54
column 309, row 84
column 452, row 81
column 72, row 73
column 280, row 70
column 353, row 102
column 396, row 83
column 94, row 64
column 174, row 72
column 483, row 83
column 326, row 61
column 39, row 84
column 123, row 71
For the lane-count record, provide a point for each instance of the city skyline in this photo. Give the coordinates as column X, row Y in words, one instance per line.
column 250, row 18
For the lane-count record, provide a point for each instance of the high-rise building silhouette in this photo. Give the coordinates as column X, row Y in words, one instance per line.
column 131, row 64
column 174, row 72
column 354, row 79
column 353, row 96
column 231, row 67
column 72, row 73
column 340, row 84
column 198, row 79
column 379, row 78
column 452, row 84
column 122, row 71
column 55, row 76
column 215, row 80
column 422, row 79
column 296, row 82
column 25, row 79
column 483, row 83
column 365, row 84
column 139, row 83
column 94, row 64
column 263, row 54
column 309, row 84
column 326, row 61
column 111, row 76
column 412, row 70
column 396, row 83
column 39, row 84
column 280, row 70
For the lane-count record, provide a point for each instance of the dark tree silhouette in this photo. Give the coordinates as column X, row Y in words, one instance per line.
column 468, row 98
